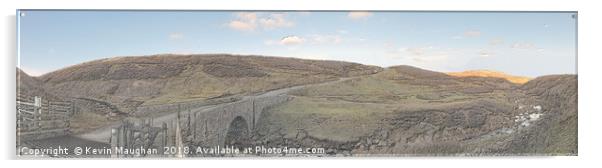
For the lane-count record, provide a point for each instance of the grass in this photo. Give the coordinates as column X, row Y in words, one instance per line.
column 201, row 86
column 344, row 111
column 368, row 85
column 347, row 110
column 327, row 119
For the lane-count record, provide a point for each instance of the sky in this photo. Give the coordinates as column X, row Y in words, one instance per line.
column 519, row 43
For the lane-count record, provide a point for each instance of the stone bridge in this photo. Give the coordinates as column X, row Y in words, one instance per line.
column 226, row 124
column 217, row 125
column 198, row 124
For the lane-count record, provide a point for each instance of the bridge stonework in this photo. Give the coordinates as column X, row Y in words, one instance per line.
column 209, row 127
column 204, row 127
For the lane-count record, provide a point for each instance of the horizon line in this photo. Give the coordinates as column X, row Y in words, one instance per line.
column 260, row 55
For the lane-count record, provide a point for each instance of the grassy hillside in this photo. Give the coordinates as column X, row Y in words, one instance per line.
column 128, row 82
column 407, row 110
column 28, row 86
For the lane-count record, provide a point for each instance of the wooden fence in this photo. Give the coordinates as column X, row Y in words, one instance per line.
column 38, row 118
column 138, row 135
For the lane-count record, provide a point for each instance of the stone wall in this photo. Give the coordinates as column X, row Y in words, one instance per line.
column 162, row 108
column 209, row 127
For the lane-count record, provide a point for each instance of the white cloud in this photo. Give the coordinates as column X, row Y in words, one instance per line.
column 342, row 31
column 392, row 51
column 316, row 39
column 485, row 54
column 291, row 40
column 359, row 15
column 247, row 16
column 326, row 39
column 428, row 55
column 524, row 45
column 249, row 21
column 458, row 37
column 240, row 25
column 496, row 41
column 270, row 42
column 527, row 47
column 467, row 34
column 441, row 57
column 245, row 21
column 275, row 21
column 419, row 51
column 415, row 51
column 176, row 36
column 472, row 33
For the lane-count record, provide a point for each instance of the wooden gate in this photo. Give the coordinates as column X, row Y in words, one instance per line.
column 138, row 135
column 38, row 119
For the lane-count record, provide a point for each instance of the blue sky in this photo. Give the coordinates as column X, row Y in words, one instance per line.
column 529, row 44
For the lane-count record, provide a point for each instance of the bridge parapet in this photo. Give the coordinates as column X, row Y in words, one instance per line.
column 206, row 128
column 209, row 127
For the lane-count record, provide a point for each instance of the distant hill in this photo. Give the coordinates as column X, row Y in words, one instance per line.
column 29, row 87
column 129, row 82
column 493, row 74
column 410, row 72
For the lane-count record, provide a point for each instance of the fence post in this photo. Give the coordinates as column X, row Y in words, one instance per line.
column 172, row 136
column 114, row 142
column 18, row 134
column 164, row 139
column 253, row 106
column 188, row 128
column 122, row 141
column 37, row 114
column 68, row 116
column 49, row 108
column 130, row 135
column 72, row 109
column 178, row 143
column 194, row 125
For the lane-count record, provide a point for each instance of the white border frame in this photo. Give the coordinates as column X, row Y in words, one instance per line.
column 589, row 76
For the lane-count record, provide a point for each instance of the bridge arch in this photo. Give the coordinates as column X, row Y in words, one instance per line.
column 238, row 133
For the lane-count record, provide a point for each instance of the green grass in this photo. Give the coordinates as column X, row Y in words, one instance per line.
column 346, row 110
column 327, row 119
column 368, row 85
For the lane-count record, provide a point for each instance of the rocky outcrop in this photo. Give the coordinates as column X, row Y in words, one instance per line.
column 556, row 133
